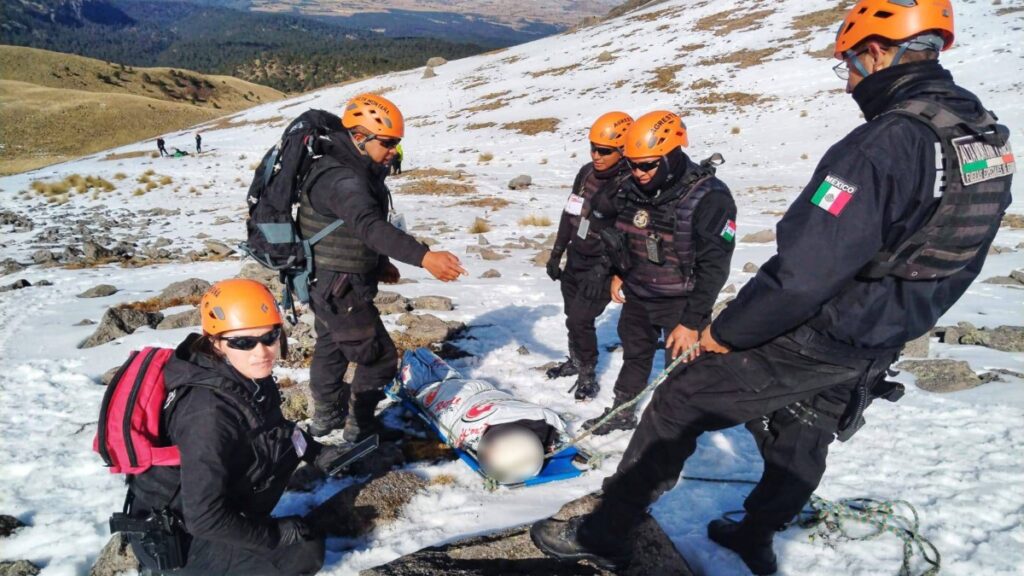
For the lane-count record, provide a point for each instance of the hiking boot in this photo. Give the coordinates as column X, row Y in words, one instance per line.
column 753, row 544
column 362, row 423
column 567, row 368
column 586, row 385
column 624, row 420
column 570, row 541
column 326, row 419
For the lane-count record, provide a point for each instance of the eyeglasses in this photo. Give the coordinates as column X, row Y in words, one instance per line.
column 389, row 143
column 250, row 342
column 602, row 150
column 842, row 70
column 643, row 166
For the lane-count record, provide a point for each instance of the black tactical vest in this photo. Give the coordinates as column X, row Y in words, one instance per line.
column 593, row 188
column 977, row 167
column 341, row 250
column 660, row 234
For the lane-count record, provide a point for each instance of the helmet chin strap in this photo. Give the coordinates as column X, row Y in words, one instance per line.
column 361, row 145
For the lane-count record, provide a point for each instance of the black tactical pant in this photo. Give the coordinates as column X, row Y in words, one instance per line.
column 641, row 324
column 586, row 293
column 209, row 558
column 720, row 391
column 348, row 329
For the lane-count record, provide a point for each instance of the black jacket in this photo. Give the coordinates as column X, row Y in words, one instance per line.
column 237, row 453
column 812, row 280
column 599, row 208
column 357, row 195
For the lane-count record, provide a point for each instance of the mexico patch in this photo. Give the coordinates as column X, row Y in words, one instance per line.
column 729, row 230
column 833, row 195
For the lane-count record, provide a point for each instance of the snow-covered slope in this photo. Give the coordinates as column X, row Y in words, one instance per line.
column 750, row 82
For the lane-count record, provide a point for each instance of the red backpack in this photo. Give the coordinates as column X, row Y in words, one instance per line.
column 129, row 437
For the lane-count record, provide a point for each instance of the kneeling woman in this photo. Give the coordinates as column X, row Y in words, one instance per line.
column 238, row 452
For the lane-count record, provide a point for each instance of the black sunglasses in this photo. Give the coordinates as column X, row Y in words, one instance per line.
column 250, row 342
column 603, row 150
column 389, row 143
column 643, row 166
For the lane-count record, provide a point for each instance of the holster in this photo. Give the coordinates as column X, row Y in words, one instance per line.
column 617, row 248
column 160, row 534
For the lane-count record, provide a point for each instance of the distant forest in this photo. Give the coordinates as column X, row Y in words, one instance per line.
column 289, row 53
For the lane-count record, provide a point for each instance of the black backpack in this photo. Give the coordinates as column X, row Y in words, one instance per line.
column 272, row 235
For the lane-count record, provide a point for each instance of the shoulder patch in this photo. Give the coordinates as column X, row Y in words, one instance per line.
column 833, row 194
column 729, row 231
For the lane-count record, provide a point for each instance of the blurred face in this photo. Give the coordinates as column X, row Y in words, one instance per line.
column 380, row 149
column 264, row 346
column 644, row 169
column 604, row 157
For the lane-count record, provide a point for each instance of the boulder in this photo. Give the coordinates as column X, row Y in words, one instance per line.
column 161, row 242
column 181, row 320
column 8, row 524
column 943, row 375
column 440, row 303
column 488, row 254
column 511, row 552
column 428, row 72
column 541, row 258
column 84, row 322
column 1003, row 281
column 750, row 268
column 16, row 285
column 268, row 277
column 1002, row 338
column 390, row 303
column 115, row 559
column 492, row 273
column 521, row 182
column 759, row 237
column 918, row 348
column 94, row 252
column 482, row 240
column 436, row 61
column 1018, row 275
column 18, row 568
column 185, row 290
column 523, row 351
column 424, row 330
column 44, row 256
column 107, row 377
column 10, row 266
column 99, row 291
column 219, row 248
column 118, row 322
column 358, row 510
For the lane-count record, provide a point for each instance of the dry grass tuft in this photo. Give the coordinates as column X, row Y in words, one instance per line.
column 431, row 173
column 156, row 303
column 120, row 176
column 58, row 192
column 226, row 123
column 555, row 71
column 442, row 480
column 734, row 130
column 738, row 99
column 741, row 58
column 126, row 155
column 534, row 126
column 827, row 18
column 480, row 125
column 480, row 226
column 665, row 79
column 704, row 84
column 485, row 157
column 534, row 220
column 492, row 203
column 436, row 187
column 729, row 21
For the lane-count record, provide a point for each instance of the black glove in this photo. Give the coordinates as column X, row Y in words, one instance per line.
column 591, row 289
column 293, row 529
column 554, row 271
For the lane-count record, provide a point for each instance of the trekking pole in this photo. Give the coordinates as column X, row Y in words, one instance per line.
column 614, row 411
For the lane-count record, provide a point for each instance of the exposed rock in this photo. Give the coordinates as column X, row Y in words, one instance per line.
column 994, row 250
column 719, row 306
column 943, row 375
column 296, row 402
column 482, row 240
column 549, row 365
column 523, row 351
column 181, row 320
column 441, row 303
column 426, row 241
column 107, row 377
column 18, row 568
column 16, row 285
column 10, row 266
column 219, row 248
column 1002, row 338
column 1018, row 275
column 424, row 330
column 116, row 558
column 918, row 348
column 118, row 322
column 730, row 289
column 1003, row 281
column 391, row 303
column 428, row 72
column 541, row 258
column 759, row 237
column 521, row 182
column 84, row 322
column 94, row 252
column 492, row 273
column 44, row 283
column 268, row 277
column 488, row 254
column 161, row 242
column 18, row 222
column 750, row 268
column 8, row 524
column 359, row 509
column 511, row 552
column 160, row 212
column 43, row 256
column 99, row 291
column 436, row 61
column 185, row 290
column 222, row 220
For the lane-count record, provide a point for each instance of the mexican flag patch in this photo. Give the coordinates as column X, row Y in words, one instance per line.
column 729, row 230
column 833, row 195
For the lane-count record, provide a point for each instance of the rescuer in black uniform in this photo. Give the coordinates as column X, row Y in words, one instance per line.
column 877, row 247
column 586, row 278
column 676, row 233
column 348, row 184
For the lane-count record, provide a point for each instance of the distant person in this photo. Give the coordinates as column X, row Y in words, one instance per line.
column 178, row 153
column 199, row 143
column 396, row 162
column 160, row 146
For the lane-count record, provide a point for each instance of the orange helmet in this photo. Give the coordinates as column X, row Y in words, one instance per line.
column 655, row 134
column 610, row 129
column 237, row 304
column 375, row 113
column 896, row 21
